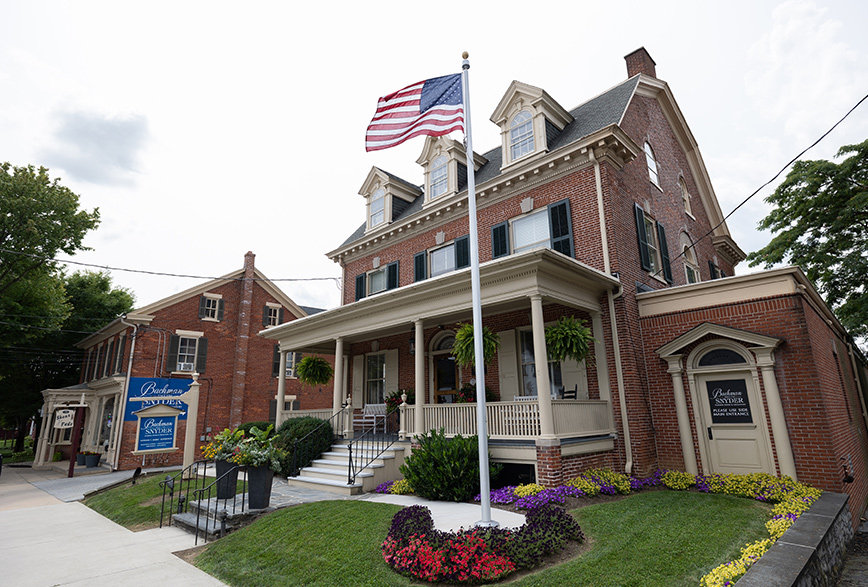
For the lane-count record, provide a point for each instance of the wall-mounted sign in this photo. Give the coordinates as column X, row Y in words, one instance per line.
column 729, row 402
column 156, row 429
column 157, row 433
column 64, row 418
column 143, row 390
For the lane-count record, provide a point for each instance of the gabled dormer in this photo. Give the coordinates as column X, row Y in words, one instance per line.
column 444, row 163
column 386, row 196
column 529, row 120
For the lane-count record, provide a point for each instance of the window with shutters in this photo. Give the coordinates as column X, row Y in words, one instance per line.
column 272, row 315
column 378, row 280
column 211, row 307
column 187, row 352
column 653, row 249
column 292, row 360
column 545, row 228
column 375, row 379
column 443, row 259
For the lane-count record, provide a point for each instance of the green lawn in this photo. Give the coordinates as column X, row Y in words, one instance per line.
column 664, row 538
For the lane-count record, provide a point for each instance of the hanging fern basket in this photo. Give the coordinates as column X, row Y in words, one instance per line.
column 463, row 350
column 314, row 371
column 569, row 338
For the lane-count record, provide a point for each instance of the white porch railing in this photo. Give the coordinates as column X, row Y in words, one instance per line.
column 516, row 419
column 338, row 424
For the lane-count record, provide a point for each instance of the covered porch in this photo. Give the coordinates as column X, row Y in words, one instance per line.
column 409, row 328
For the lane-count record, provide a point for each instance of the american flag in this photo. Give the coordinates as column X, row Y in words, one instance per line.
column 431, row 107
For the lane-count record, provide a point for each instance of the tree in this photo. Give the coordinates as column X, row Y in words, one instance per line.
column 51, row 360
column 38, row 219
column 821, row 224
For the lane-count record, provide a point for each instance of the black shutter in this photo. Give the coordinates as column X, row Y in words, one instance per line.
column 275, row 361
column 561, row 227
column 120, row 354
column 500, row 240
column 664, row 253
column 420, row 266
column 201, row 355
column 264, row 316
column 462, row 252
column 220, row 310
column 644, row 253
column 296, row 359
column 712, row 270
column 202, row 306
column 174, row 341
column 392, row 275
column 110, row 360
column 721, row 272
column 360, row 286
column 280, row 316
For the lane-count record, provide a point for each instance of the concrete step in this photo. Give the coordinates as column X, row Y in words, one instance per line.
column 334, row 486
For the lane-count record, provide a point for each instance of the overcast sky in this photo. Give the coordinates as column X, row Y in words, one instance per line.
column 203, row 130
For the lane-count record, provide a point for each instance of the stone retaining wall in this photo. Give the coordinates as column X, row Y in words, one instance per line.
column 811, row 552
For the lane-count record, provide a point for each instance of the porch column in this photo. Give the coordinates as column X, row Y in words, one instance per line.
column 43, row 431
column 281, row 390
column 339, row 375
column 419, row 412
column 766, row 363
column 600, row 358
column 541, row 363
column 684, row 431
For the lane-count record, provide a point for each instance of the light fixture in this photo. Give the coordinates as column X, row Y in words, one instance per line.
column 412, row 346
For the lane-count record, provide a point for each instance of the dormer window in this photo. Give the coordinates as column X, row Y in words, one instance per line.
column 378, row 207
column 439, row 176
column 521, row 135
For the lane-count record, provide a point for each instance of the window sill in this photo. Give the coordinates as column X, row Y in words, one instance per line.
column 692, row 217
column 659, row 189
column 206, row 319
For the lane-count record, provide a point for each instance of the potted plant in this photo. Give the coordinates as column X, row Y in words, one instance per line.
column 569, row 338
column 314, row 371
column 79, row 458
column 221, row 449
column 91, row 459
column 262, row 459
column 463, row 348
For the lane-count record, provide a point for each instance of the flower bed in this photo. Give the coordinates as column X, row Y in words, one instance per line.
column 790, row 498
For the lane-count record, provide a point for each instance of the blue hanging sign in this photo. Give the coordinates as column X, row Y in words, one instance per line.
column 143, row 389
column 156, row 433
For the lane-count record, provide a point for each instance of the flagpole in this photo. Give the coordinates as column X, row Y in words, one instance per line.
column 479, row 360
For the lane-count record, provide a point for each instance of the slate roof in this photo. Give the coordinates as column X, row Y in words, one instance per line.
column 311, row 311
column 597, row 113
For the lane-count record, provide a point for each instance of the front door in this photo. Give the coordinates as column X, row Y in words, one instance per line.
column 445, row 379
column 733, row 426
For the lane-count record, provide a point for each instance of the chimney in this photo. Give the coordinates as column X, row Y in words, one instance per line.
column 640, row 62
column 248, row 264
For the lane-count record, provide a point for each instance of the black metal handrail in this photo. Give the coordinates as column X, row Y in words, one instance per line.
column 368, row 448
column 205, row 494
column 307, row 448
column 186, row 481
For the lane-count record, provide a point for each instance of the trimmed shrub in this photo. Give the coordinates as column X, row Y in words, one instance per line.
column 444, row 469
column 295, row 429
column 261, row 425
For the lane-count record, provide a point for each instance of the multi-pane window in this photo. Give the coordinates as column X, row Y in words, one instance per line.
column 375, row 379
column 528, row 368
column 531, row 232
column 443, row 260
column 211, row 308
column 653, row 249
column 378, row 207
column 273, row 316
column 377, row 281
column 186, row 354
column 691, row 271
column 652, row 165
column 439, row 176
column 521, row 135
column 685, row 196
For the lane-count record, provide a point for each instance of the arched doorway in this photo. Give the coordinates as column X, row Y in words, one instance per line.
column 732, row 430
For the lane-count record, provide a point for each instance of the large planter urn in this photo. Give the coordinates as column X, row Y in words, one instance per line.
column 259, row 481
column 91, row 460
column 226, row 483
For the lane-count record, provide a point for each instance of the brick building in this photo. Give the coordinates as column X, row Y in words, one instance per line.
column 604, row 212
column 210, row 329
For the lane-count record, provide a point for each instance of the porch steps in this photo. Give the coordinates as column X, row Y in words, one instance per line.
column 329, row 472
column 208, row 515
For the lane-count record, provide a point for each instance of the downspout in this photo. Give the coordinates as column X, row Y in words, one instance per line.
column 855, row 366
column 622, row 399
column 122, row 408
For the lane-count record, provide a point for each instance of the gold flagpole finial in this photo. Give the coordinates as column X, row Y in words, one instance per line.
column 465, row 55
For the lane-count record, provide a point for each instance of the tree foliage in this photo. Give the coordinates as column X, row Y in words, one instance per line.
column 820, row 221
column 39, row 218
